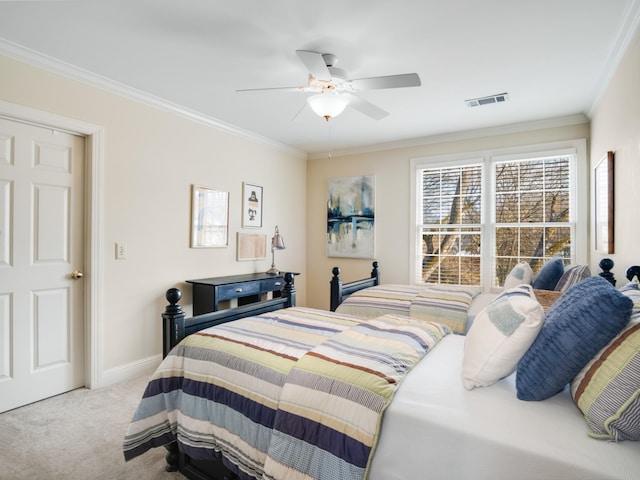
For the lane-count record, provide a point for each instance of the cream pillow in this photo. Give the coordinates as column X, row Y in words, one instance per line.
column 500, row 336
column 520, row 274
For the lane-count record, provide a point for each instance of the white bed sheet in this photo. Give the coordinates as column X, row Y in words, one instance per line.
column 435, row 429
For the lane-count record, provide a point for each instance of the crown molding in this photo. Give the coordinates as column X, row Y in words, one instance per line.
column 53, row 65
column 626, row 33
column 556, row 122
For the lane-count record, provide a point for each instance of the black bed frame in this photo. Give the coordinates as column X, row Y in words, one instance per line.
column 176, row 326
column 340, row 291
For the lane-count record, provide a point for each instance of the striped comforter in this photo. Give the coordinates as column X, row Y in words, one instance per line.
column 293, row 394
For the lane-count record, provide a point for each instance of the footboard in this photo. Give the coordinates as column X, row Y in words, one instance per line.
column 340, row 291
column 175, row 325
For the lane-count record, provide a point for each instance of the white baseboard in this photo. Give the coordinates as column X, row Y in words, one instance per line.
column 146, row 366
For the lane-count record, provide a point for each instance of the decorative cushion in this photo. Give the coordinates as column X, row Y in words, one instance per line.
column 581, row 322
column 447, row 304
column 572, row 275
column 607, row 390
column 520, row 274
column 546, row 298
column 500, row 335
column 549, row 274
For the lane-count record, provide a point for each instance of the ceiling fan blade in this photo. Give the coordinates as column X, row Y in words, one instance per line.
column 391, row 81
column 315, row 64
column 279, row 89
column 366, row 107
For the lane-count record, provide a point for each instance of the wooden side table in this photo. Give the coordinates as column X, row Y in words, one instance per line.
column 248, row 288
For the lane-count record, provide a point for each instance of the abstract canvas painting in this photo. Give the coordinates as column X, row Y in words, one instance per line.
column 351, row 217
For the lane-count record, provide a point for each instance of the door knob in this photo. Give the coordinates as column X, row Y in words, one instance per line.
column 76, row 274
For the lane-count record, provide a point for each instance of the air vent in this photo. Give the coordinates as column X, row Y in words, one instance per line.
column 497, row 98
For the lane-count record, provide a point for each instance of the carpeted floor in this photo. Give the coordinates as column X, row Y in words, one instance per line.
column 77, row 435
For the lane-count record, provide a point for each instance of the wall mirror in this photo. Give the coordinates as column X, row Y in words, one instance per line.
column 604, row 205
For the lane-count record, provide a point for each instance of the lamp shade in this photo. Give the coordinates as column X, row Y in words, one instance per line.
column 328, row 105
column 277, row 242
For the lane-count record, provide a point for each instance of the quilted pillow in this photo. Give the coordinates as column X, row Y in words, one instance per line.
column 520, row 274
column 572, row 275
column 576, row 327
column 447, row 304
column 499, row 336
column 607, row 390
column 549, row 275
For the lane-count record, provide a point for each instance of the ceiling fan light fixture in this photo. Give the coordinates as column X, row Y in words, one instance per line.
column 328, row 105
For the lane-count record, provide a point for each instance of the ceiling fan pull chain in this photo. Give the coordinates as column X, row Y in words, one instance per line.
column 330, row 139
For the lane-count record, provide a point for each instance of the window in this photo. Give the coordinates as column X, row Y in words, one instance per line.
column 478, row 216
column 451, row 224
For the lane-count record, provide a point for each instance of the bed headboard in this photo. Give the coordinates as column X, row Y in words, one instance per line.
column 606, row 264
column 340, row 291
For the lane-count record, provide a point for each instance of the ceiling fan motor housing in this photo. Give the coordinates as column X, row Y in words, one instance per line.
column 329, row 59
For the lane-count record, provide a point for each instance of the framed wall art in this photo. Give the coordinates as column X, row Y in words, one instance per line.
column 209, row 217
column 603, row 193
column 251, row 205
column 251, row 246
column 351, row 217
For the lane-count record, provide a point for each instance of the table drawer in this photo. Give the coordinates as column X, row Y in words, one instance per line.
column 235, row 290
column 271, row 284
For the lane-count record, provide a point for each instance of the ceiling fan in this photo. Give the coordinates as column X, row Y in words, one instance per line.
column 334, row 92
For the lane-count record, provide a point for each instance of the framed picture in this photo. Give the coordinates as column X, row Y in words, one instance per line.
column 252, row 246
column 604, row 205
column 209, row 217
column 351, row 217
column 251, row 205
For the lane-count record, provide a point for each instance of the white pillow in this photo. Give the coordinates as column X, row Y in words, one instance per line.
column 520, row 274
column 500, row 336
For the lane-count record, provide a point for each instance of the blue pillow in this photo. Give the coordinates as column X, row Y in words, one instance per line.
column 549, row 274
column 576, row 327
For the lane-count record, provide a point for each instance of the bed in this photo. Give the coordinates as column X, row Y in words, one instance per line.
column 434, row 426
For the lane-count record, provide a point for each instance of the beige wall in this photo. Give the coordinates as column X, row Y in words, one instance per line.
column 615, row 126
column 151, row 158
column 392, row 171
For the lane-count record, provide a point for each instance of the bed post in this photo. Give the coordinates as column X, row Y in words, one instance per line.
column 172, row 457
column 336, row 289
column 289, row 289
column 633, row 271
column 172, row 321
column 375, row 273
column 340, row 291
column 606, row 264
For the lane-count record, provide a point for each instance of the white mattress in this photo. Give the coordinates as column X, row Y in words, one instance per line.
column 435, row 429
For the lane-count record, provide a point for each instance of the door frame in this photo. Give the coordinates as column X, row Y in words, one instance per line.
column 93, row 224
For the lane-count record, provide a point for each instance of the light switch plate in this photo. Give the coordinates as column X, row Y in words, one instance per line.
column 121, row 251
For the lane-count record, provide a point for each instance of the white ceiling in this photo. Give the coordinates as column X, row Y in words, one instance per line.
column 553, row 57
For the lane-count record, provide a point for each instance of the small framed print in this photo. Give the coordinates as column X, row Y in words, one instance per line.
column 251, row 246
column 251, row 205
column 209, row 217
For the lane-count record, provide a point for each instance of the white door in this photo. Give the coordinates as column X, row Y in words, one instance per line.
column 41, row 246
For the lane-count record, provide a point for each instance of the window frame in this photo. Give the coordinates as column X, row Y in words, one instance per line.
column 488, row 159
